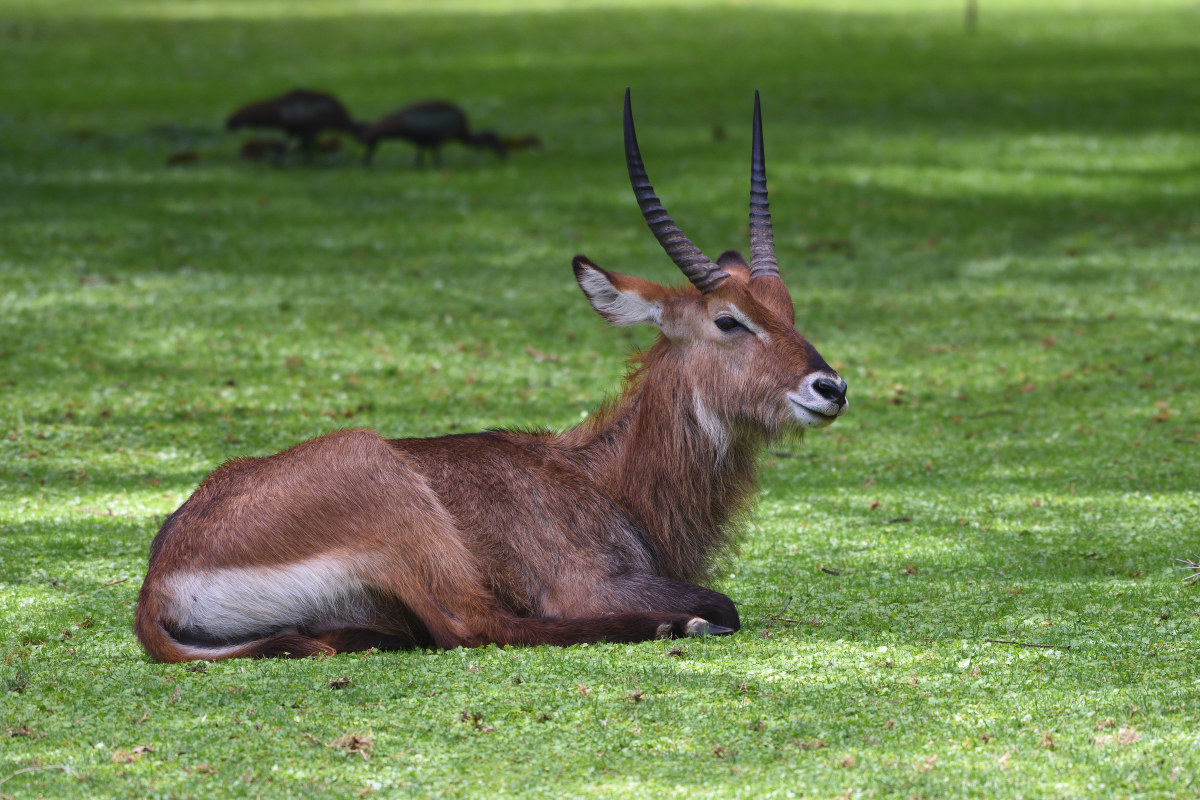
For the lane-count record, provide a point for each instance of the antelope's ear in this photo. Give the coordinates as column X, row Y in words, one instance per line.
column 620, row 299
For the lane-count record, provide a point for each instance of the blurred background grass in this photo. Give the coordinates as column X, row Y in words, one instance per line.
column 993, row 236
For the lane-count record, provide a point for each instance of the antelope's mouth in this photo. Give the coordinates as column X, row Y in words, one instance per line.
column 810, row 417
column 820, row 400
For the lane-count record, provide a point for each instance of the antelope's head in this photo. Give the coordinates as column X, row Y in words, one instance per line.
column 730, row 336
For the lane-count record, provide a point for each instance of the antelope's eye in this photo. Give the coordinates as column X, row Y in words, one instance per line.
column 728, row 323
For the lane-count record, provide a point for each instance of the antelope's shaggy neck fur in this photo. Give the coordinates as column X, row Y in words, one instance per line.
column 687, row 479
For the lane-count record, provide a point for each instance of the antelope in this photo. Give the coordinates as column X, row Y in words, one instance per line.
column 601, row 533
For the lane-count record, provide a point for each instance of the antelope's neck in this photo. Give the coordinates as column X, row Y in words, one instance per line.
column 679, row 472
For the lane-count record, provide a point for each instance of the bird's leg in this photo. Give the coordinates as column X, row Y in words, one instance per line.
column 308, row 145
column 370, row 154
column 419, row 163
column 437, row 157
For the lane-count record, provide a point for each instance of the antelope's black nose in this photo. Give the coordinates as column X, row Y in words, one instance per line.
column 832, row 389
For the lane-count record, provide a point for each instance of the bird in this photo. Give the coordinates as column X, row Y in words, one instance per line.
column 301, row 113
column 429, row 125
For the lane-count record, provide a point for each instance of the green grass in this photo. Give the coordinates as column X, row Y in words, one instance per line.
column 1016, row 314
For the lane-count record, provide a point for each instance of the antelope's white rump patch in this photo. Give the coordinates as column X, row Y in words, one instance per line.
column 239, row 603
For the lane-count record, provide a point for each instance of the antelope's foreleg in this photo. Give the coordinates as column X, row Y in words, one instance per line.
column 664, row 594
column 627, row 627
column 459, row 613
column 643, row 608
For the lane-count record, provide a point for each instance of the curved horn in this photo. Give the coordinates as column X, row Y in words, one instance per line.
column 699, row 269
column 762, row 241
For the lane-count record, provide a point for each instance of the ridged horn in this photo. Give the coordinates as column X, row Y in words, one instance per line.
column 699, row 269
column 762, row 241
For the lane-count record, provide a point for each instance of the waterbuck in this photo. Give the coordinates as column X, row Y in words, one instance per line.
column 600, row 533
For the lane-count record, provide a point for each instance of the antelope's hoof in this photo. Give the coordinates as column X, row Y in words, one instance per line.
column 702, row 627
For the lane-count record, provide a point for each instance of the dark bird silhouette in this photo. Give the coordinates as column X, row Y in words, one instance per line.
column 301, row 114
column 429, row 125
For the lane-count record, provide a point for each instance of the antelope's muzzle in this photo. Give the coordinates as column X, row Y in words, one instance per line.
column 820, row 400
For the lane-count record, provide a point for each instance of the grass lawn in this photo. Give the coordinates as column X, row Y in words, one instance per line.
column 995, row 238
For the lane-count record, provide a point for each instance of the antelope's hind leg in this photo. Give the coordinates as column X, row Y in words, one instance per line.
column 626, row 627
column 352, row 640
column 444, row 588
column 664, row 594
column 459, row 612
column 677, row 609
column 393, row 627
